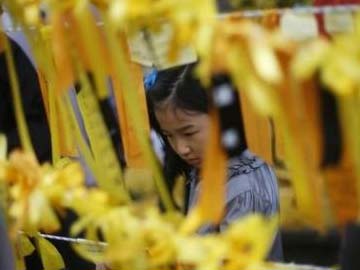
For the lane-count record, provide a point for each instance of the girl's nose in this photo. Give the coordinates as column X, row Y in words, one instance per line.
column 182, row 148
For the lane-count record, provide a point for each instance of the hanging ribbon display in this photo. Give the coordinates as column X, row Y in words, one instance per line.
column 279, row 64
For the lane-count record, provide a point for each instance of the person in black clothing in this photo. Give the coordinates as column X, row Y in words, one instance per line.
column 40, row 136
column 31, row 101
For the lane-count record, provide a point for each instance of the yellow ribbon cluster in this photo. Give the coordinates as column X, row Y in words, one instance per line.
column 338, row 65
column 35, row 196
column 34, row 191
column 138, row 237
column 264, row 65
column 150, row 240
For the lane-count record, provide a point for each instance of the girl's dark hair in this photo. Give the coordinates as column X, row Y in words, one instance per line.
column 180, row 87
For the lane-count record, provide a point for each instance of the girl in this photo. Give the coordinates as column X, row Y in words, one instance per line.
column 178, row 110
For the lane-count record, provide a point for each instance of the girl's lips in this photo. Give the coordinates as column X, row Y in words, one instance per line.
column 193, row 161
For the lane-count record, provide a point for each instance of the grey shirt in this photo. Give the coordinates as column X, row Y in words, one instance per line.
column 251, row 188
column 6, row 256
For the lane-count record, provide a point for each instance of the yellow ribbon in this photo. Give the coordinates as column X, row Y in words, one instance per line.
column 210, row 206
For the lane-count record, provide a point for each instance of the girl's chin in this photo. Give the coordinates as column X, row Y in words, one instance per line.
column 194, row 162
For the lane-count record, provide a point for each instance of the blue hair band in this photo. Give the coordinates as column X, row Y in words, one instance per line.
column 150, row 79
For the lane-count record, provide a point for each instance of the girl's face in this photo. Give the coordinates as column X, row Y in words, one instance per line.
column 186, row 131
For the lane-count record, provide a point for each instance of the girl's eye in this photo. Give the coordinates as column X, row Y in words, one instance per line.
column 189, row 134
